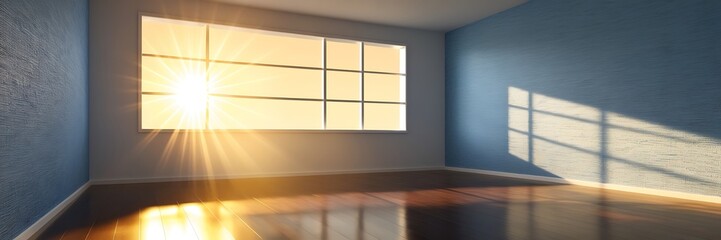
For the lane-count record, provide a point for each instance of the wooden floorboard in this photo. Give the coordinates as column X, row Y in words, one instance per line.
column 404, row 205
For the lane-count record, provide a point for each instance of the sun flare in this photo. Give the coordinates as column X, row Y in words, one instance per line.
column 190, row 93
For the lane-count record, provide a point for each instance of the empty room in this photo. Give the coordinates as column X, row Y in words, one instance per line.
column 360, row 119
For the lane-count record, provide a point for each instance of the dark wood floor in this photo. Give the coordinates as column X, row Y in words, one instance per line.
column 407, row 205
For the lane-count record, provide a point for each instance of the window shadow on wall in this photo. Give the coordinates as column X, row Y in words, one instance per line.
column 583, row 142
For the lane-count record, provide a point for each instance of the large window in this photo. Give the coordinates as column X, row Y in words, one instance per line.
column 202, row 76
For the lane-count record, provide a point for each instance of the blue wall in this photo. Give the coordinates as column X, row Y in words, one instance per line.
column 622, row 92
column 43, row 108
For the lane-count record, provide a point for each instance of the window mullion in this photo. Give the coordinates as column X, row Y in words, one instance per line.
column 207, row 77
column 325, row 86
column 362, row 83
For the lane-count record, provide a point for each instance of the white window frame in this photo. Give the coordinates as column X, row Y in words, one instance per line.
column 362, row 71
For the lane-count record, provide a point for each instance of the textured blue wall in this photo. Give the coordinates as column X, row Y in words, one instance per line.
column 623, row 92
column 43, row 108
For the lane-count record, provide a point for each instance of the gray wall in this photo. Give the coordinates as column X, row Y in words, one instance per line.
column 621, row 92
column 118, row 151
column 43, row 108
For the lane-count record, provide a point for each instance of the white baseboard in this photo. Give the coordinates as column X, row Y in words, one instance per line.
column 648, row 191
column 259, row 175
column 42, row 223
column 511, row 175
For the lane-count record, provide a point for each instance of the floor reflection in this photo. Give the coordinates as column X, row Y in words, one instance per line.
column 417, row 205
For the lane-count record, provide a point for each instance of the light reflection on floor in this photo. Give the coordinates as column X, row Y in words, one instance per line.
column 416, row 205
column 337, row 216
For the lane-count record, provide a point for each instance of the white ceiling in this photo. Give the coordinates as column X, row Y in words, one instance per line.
column 437, row 15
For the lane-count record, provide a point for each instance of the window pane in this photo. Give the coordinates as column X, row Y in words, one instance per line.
column 237, row 79
column 342, row 55
column 384, row 58
column 243, row 113
column 380, row 116
column 173, row 38
column 342, row 115
column 384, row 87
column 343, row 85
column 175, row 89
column 243, row 45
column 172, row 112
column 168, row 75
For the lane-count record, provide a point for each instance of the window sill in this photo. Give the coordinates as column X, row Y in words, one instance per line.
column 274, row 131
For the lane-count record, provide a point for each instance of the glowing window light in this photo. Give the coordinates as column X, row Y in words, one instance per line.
column 197, row 76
